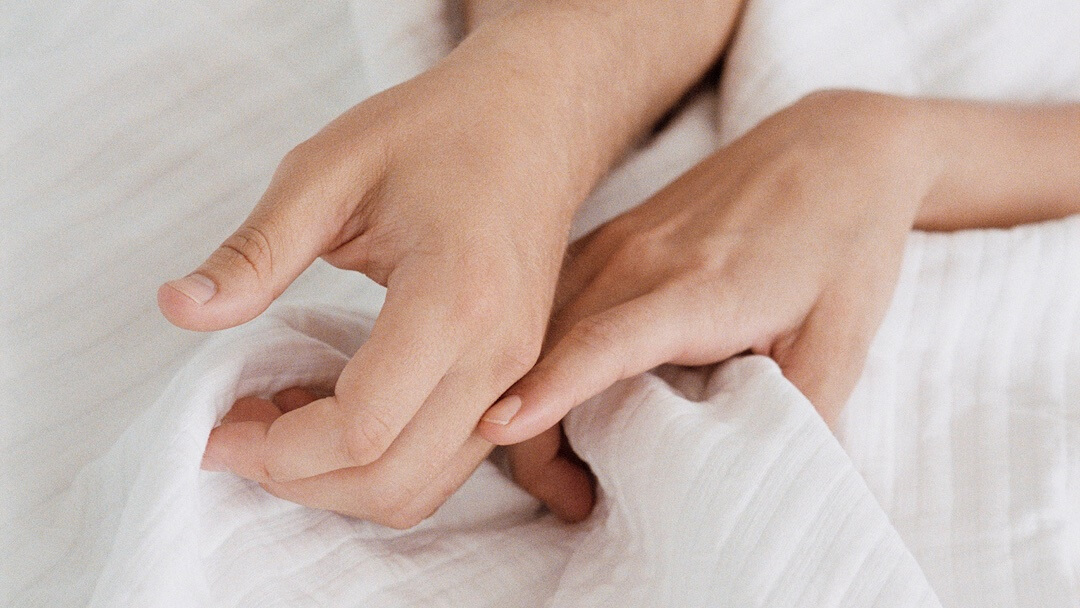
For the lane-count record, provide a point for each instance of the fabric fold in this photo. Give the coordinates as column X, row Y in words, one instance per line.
column 738, row 495
column 957, row 470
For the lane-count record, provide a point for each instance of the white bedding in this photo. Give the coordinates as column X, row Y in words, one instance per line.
column 138, row 134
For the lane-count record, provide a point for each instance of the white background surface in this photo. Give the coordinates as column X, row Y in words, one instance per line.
column 136, row 135
column 140, row 134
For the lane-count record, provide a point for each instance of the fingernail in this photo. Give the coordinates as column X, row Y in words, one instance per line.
column 209, row 464
column 195, row 286
column 503, row 411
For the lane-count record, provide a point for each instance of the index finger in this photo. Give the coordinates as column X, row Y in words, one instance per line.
column 412, row 345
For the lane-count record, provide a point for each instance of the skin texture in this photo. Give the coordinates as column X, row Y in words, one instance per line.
column 455, row 190
column 788, row 243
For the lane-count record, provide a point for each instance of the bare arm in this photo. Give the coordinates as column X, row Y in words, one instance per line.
column 796, row 232
column 1000, row 165
column 621, row 65
column 455, row 190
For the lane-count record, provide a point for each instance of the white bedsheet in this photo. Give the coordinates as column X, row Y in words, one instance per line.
column 137, row 135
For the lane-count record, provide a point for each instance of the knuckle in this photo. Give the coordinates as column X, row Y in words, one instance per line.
column 286, row 491
column 426, row 510
column 249, row 246
column 703, row 259
column 271, row 470
column 390, row 502
column 275, row 490
column 828, row 104
column 369, row 436
column 480, row 305
column 825, row 99
column 315, row 168
column 797, row 181
column 597, row 333
column 417, row 511
column 517, row 360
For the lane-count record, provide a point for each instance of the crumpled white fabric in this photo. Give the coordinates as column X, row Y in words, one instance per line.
column 957, row 476
column 718, row 488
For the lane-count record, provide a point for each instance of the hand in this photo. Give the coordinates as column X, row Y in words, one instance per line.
column 786, row 243
column 455, row 191
column 540, row 469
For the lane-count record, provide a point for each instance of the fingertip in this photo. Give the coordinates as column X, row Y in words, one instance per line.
column 215, row 456
column 212, row 462
column 532, row 415
column 546, row 468
column 175, row 306
column 318, row 438
column 497, row 434
column 504, row 410
column 513, row 432
column 250, row 409
column 185, row 312
column 189, row 303
column 237, row 447
column 499, row 424
column 574, row 495
column 566, row 489
column 234, row 444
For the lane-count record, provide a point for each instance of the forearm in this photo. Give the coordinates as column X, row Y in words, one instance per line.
column 481, row 11
column 608, row 69
column 1000, row 165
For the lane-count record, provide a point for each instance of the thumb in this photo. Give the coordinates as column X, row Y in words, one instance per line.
column 596, row 352
column 239, row 280
column 293, row 224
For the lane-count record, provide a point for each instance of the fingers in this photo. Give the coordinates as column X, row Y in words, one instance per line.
column 376, row 494
column 546, row 468
column 411, row 348
column 428, row 441
column 229, row 446
column 380, row 492
column 606, row 290
column 301, row 214
column 244, row 275
column 826, row 358
column 296, row 397
column 599, row 350
column 584, row 260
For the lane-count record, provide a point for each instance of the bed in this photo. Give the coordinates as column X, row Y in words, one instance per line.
column 138, row 134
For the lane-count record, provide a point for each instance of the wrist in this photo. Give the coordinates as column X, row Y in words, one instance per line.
column 541, row 67
column 892, row 137
column 1005, row 164
column 928, row 154
column 596, row 75
column 940, row 125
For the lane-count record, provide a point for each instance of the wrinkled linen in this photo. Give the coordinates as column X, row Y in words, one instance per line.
column 956, row 479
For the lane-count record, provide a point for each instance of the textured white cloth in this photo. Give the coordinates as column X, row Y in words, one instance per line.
column 960, row 450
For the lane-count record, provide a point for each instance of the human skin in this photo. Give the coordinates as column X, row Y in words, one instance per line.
column 785, row 243
column 455, row 190
column 788, row 243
